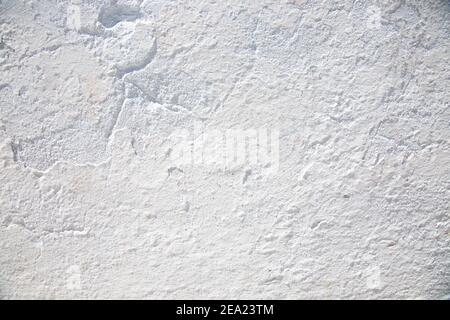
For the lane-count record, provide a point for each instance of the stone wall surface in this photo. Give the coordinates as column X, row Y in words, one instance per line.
column 115, row 181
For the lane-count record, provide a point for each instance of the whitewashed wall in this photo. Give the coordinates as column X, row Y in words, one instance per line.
column 117, row 174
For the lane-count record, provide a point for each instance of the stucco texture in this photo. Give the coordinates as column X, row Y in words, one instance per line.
column 355, row 205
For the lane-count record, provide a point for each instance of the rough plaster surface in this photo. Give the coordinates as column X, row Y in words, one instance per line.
column 92, row 207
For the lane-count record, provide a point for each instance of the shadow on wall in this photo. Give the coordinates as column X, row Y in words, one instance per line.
column 111, row 15
column 6, row 5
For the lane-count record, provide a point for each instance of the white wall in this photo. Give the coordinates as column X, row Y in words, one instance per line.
column 101, row 105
